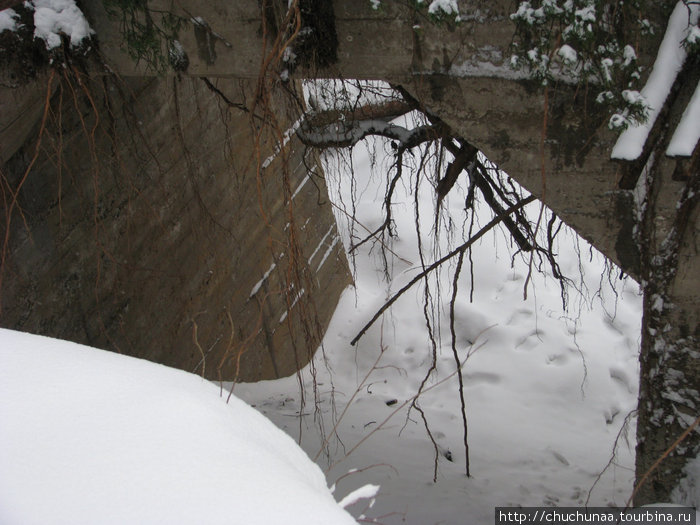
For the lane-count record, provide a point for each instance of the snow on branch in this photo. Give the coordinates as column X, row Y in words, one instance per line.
column 344, row 134
column 669, row 61
column 344, row 128
column 368, row 491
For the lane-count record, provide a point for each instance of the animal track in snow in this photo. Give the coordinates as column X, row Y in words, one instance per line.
column 560, row 458
column 621, row 377
column 610, row 414
column 528, row 342
column 473, row 378
column 557, row 359
column 519, row 315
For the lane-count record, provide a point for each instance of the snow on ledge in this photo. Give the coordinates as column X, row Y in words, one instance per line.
column 669, row 62
column 687, row 133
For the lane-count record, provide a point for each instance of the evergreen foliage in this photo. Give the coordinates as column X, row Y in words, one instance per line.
column 149, row 36
column 588, row 42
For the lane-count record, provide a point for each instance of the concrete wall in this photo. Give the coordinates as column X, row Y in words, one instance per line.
column 460, row 73
column 146, row 217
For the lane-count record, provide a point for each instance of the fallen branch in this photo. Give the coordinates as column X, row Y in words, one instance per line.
column 347, row 133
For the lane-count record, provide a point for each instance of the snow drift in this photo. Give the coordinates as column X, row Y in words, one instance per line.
column 89, row 436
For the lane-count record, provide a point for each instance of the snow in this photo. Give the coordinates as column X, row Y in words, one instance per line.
column 448, row 7
column 568, row 54
column 486, row 68
column 286, row 137
column 54, row 17
column 436, row 7
column 351, row 132
column 693, row 36
column 176, row 53
column 586, row 14
column 98, row 437
column 688, row 490
column 256, row 287
column 321, row 243
column 687, row 134
column 669, row 61
column 606, row 64
column 294, row 302
column 301, row 185
column 364, row 492
column 629, row 54
column 90, row 436
column 528, row 14
column 8, row 20
column 632, row 96
column 547, row 391
column 335, row 240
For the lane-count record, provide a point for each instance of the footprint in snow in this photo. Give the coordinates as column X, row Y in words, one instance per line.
column 550, row 501
column 622, row 378
column 557, row 359
column 519, row 315
column 560, row 458
column 610, row 414
column 577, row 494
column 529, row 342
column 475, row 378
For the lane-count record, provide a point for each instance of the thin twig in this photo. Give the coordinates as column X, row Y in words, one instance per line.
column 460, row 249
column 352, row 398
column 458, row 270
column 392, row 414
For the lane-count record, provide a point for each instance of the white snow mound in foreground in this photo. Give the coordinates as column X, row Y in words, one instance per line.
column 88, row 436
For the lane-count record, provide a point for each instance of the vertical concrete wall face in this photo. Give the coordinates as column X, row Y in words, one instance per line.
column 152, row 224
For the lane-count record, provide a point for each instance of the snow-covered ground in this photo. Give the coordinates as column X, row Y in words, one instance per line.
column 92, row 437
column 547, row 391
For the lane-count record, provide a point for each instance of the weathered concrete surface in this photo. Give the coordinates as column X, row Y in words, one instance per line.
column 21, row 108
column 146, row 219
column 374, row 44
column 461, row 74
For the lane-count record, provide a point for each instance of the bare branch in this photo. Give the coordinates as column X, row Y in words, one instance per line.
column 460, row 249
column 478, row 174
column 453, row 335
column 223, row 97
